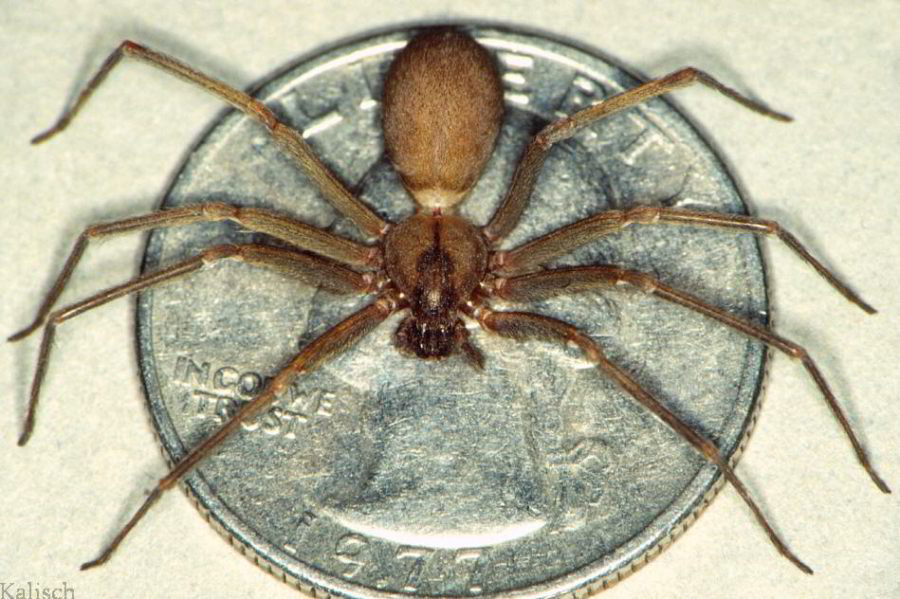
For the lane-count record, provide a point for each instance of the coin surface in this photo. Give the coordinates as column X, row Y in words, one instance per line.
column 380, row 475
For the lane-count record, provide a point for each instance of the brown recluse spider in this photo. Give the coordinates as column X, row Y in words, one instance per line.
column 443, row 106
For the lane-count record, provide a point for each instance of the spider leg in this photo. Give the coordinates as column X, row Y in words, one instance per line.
column 507, row 215
column 289, row 139
column 306, row 267
column 524, row 325
column 334, row 341
column 583, row 278
column 297, row 233
column 565, row 239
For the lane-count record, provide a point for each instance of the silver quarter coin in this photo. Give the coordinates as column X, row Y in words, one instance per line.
column 379, row 475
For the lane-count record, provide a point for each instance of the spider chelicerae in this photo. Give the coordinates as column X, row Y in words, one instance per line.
column 442, row 110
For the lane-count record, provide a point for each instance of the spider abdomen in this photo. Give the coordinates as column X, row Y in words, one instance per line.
column 443, row 105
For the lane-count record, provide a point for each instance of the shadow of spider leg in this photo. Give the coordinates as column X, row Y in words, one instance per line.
column 586, row 278
column 524, row 325
column 315, row 270
column 289, row 139
column 510, row 210
column 565, row 239
column 308, row 268
column 297, row 233
column 335, row 340
column 305, row 267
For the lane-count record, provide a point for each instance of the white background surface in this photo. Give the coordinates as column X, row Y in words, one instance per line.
column 831, row 177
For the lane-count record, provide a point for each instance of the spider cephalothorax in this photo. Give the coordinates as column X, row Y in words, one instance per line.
column 435, row 261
